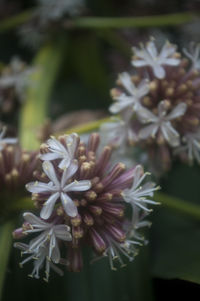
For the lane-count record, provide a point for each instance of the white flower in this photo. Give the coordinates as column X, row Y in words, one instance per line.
column 149, row 56
column 137, row 195
column 136, row 93
column 4, row 141
column 40, row 258
column 53, row 10
column 58, row 189
column 59, row 151
column 50, row 233
column 17, row 76
column 161, row 122
column 117, row 133
column 45, row 246
column 194, row 55
column 191, row 146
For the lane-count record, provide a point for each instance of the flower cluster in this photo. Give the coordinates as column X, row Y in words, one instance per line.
column 158, row 104
column 14, row 80
column 16, row 167
column 82, row 201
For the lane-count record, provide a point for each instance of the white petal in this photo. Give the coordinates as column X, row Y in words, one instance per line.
column 151, row 48
column 78, row 186
column 178, row 111
column 170, row 134
column 62, row 232
column 50, row 172
column 69, row 172
column 127, row 83
column 159, row 71
column 72, row 143
column 37, row 187
column 48, row 206
column 148, row 131
column 146, row 115
column 55, row 255
column 49, row 156
column 35, row 221
column 171, row 62
column 68, row 205
column 139, row 63
column 64, row 163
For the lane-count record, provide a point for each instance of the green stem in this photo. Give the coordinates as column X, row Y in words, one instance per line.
column 107, row 22
column 5, row 246
column 139, row 22
column 34, row 111
column 85, row 128
column 178, row 205
column 15, row 21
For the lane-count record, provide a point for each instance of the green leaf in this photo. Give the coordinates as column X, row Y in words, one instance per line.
column 175, row 243
column 5, row 245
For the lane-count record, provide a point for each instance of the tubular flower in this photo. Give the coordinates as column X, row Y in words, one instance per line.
column 164, row 115
column 89, row 197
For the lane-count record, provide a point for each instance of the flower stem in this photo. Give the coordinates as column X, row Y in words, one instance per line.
column 106, row 22
column 184, row 207
column 85, row 128
column 34, row 110
column 139, row 22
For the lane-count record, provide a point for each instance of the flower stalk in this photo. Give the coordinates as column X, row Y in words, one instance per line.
column 176, row 204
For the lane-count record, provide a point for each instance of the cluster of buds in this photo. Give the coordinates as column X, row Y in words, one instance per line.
column 14, row 79
column 16, row 167
column 82, row 201
column 158, row 105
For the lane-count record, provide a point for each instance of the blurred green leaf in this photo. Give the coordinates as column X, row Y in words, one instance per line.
column 89, row 63
column 175, row 238
column 5, row 245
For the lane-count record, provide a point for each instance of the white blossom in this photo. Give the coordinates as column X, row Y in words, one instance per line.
column 191, row 146
column 4, row 141
column 40, row 258
column 194, row 55
column 53, row 10
column 17, row 76
column 136, row 93
column 161, row 122
column 149, row 56
column 50, row 233
column 58, row 189
column 58, row 151
column 117, row 133
column 44, row 247
column 138, row 195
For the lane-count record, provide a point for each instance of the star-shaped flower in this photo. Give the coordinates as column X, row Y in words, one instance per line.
column 137, row 195
column 57, row 189
column 58, row 151
column 149, row 56
column 161, row 122
column 136, row 93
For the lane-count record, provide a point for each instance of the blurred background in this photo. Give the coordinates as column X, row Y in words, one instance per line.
column 89, row 46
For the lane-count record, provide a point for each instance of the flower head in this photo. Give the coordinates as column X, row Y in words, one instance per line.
column 87, row 196
column 168, row 113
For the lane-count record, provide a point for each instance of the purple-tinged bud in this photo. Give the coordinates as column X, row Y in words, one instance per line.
column 116, row 233
column 97, row 241
column 75, row 260
column 88, row 219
